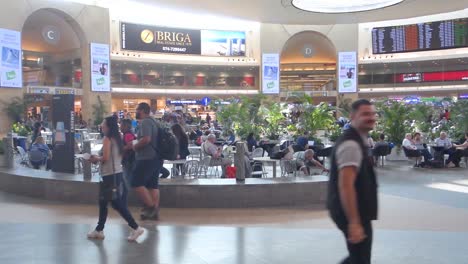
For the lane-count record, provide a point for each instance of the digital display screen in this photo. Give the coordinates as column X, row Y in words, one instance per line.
column 447, row 34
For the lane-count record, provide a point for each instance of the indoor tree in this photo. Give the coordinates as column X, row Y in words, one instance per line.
column 393, row 120
column 273, row 118
column 99, row 110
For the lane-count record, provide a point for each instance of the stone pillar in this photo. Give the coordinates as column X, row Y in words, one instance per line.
column 8, row 151
column 345, row 98
column 90, row 98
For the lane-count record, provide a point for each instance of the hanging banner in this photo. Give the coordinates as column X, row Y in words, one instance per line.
column 100, row 68
column 270, row 74
column 347, row 79
column 10, row 68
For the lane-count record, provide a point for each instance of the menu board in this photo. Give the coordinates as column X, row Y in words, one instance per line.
column 10, row 52
column 437, row 35
column 347, row 65
column 270, row 73
column 100, row 68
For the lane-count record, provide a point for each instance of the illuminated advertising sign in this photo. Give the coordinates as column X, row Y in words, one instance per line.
column 347, row 79
column 138, row 37
column 100, row 68
column 270, row 74
column 10, row 52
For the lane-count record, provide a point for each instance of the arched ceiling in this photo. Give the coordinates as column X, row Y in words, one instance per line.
column 43, row 22
column 282, row 12
column 308, row 47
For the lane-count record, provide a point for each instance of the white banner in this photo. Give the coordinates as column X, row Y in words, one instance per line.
column 347, row 75
column 270, row 74
column 10, row 68
column 100, row 68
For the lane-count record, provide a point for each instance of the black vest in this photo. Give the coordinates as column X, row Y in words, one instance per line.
column 366, row 183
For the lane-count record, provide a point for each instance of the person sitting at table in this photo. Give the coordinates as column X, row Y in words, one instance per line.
column 408, row 144
column 380, row 143
column 420, row 146
column 215, row 152
column 305, row 160
column 302, row 143
column 40, row 154
column 37, row 129
column 460, row 151
column 444, row 141
column 251, row 142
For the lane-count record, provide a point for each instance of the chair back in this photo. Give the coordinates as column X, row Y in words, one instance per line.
column 191, row 168
column 287, row 167
column 21, row 151
column 410, row 153
column 257, row 153
column 381, row 150
column 326, row 152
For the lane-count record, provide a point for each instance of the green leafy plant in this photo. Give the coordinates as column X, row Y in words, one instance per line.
column 344, row 107
column 20, row 129
column 316, row 118
column 421, row 114
column 272, row 119
column 393, row 120
column 459, row 118
column 15, row 108
column 99, row 110
column 334, row 133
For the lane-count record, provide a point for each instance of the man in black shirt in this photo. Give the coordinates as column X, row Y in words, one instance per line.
column 352, row 190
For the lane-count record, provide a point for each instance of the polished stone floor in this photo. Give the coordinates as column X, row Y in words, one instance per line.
column 423, row 219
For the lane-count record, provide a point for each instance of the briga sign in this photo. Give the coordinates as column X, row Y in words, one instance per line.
column 159, row 39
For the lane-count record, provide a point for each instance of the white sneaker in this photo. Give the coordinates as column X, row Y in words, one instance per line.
column 135, row 234
column 96, row 234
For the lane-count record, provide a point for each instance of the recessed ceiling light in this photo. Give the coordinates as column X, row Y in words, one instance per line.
column 342, row 6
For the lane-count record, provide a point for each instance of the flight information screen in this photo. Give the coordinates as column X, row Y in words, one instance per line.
column 437, row 35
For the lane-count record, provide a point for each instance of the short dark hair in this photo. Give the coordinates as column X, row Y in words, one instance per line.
column 417, row 133
column 382, row 136
column 358, row 103
column 144, row 107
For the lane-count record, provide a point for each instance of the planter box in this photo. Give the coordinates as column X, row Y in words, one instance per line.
column 397, row 155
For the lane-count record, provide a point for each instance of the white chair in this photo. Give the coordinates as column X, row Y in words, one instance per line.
column 194, row 154
column 288, row 167
column 24, row 158
column 203, row 166
column 257, row 153
column 191, row 168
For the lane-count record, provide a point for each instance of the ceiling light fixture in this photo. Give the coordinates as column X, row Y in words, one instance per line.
column 342, row 6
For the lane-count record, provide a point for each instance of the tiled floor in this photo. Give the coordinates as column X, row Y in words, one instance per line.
column 423, row 219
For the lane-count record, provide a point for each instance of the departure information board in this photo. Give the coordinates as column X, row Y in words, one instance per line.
column 437, row 35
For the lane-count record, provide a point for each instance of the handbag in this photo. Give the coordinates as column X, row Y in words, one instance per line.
column 110, row 190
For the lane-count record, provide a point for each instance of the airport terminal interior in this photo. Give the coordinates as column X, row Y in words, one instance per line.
column 219, row 131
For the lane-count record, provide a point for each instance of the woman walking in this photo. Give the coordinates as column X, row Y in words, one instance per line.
column 111, row 188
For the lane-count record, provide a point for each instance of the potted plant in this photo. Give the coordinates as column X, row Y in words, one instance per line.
column 99, row 110
column 272, row 120
column 23, row 133
column 393, row 119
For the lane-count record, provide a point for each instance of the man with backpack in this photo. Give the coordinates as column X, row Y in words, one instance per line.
column 148, row 163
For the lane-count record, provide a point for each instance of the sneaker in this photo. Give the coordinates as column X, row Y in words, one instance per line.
column 96, row 235
column 150, row 214
column 135, row 234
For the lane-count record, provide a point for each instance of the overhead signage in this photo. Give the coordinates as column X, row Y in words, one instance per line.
column 412, row 77
column 270, row 73
column 138, row 37
column 347, row 79
column 100, row 68
column 10, row 67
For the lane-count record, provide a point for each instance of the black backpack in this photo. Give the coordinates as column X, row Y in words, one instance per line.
column 167, row 145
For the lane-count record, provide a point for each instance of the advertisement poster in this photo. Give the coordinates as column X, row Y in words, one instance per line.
column 270, row 74
column 159, row 39
column 347, row 76
column 138, row 37
column 222, row 43
column 10, row 52
column 100, row 68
